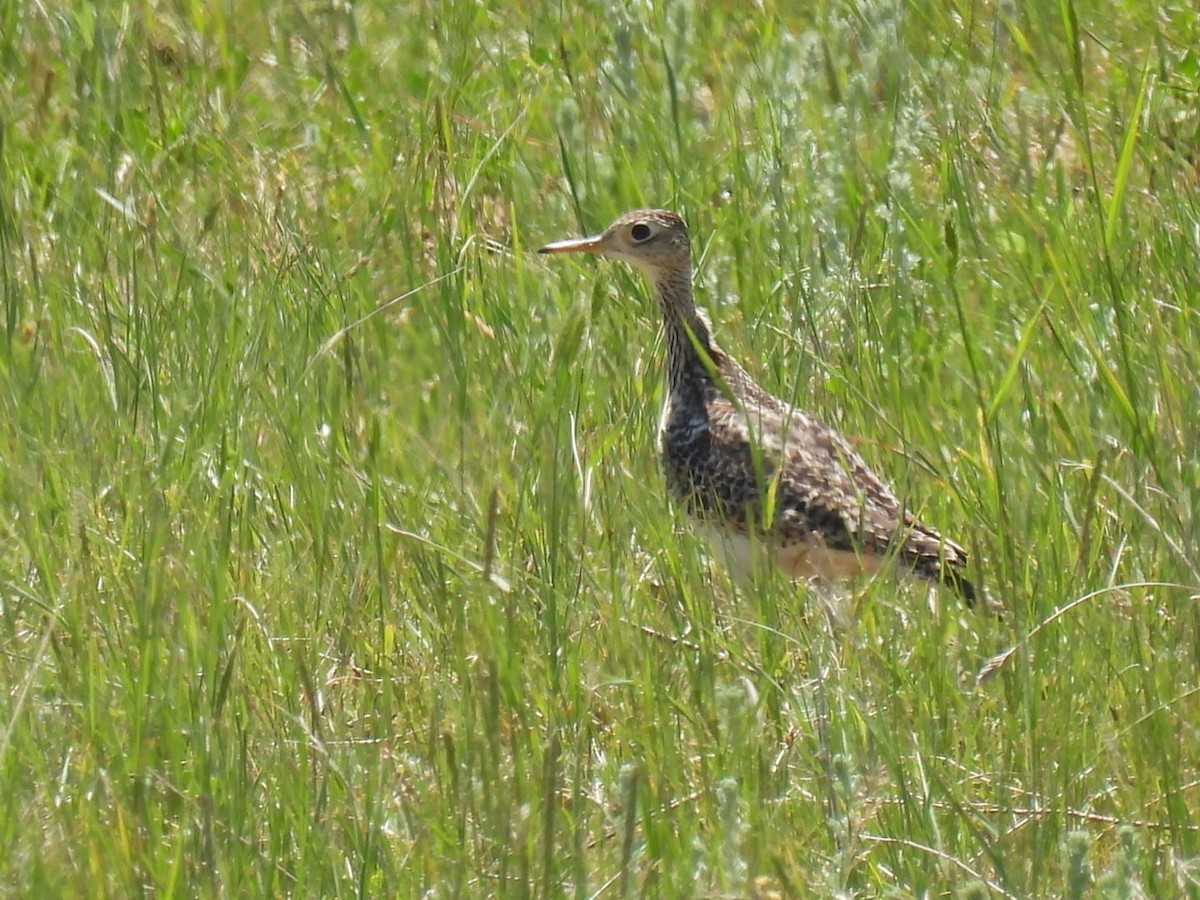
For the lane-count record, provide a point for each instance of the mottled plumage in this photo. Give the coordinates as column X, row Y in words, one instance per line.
column 758, row 474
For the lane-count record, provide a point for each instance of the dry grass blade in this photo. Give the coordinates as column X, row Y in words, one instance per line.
column 997, row 662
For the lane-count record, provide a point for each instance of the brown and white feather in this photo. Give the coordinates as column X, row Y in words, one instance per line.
column 754, row 472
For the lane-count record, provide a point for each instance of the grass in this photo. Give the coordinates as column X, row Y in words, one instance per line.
column 334, row 556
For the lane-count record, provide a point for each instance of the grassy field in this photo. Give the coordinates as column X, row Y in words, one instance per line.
column 334, row 559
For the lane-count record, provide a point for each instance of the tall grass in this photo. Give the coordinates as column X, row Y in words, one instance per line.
column 334, row 557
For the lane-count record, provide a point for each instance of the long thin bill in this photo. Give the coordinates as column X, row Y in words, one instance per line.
column 573, row 245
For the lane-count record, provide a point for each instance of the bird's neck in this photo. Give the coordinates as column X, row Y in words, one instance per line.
column 689, row 339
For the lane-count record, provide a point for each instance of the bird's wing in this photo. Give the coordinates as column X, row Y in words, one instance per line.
column 823, row 491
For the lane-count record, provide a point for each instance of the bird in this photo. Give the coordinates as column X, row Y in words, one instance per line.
column 756, row 474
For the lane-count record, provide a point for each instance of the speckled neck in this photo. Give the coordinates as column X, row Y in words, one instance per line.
column 687, row 334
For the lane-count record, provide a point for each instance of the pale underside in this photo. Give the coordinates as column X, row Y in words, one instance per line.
column 744, row 555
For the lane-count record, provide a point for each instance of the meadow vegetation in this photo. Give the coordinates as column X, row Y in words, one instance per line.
column 333, row 555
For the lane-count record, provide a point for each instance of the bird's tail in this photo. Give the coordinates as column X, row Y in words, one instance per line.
column 953, row 578
column 950, row 576
column 947, row 573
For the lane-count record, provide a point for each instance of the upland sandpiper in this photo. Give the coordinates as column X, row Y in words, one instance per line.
column 757, row 474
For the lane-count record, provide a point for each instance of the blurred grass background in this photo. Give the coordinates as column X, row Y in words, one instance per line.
column 333, row 554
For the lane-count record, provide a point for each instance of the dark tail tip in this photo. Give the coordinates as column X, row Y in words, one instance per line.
column 962, row 587
column 951, row 577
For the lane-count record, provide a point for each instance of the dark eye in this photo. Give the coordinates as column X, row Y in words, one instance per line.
column 640, row 232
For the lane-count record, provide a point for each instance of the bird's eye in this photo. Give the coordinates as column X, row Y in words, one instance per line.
column 640, row 232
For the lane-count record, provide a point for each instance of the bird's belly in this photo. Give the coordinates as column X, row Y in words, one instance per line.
column 738, row 553
column 743, row 554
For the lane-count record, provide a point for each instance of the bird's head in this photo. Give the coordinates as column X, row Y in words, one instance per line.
column 654, row 240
